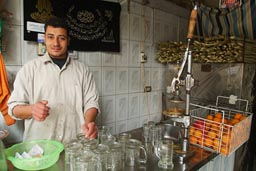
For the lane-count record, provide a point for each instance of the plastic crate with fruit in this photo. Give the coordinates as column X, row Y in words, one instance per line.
column 219, row 129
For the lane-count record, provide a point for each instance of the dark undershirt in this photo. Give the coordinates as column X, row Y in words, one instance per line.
column 59, row 62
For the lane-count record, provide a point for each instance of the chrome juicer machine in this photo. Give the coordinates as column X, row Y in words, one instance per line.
column 176, row 113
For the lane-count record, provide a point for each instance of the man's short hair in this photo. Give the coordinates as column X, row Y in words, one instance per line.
column 56, row 22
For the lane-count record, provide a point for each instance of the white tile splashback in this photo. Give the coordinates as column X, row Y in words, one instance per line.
column 122, row 108
column 97, row 74
column 134, row 54
column 108, row 80
column 121, row 80
column 93, row 58
column 108, row 109
column 145, row 103
column 134, row 123
column 135, row 27
column 121, row 126
column 122, row 58
column 117, row 75
column 134, row 80
column 134, row 105
column 124, row 25
column 145, row 78
column 108, row 59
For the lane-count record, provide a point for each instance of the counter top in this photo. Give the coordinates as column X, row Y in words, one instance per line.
column 199, row 158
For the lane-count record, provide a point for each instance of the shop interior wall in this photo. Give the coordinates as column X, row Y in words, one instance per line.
column 118, row 76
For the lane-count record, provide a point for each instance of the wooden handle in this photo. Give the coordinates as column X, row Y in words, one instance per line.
column 192, row 23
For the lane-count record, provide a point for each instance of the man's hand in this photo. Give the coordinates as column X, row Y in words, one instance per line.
column 90, row 130
column 40, row 110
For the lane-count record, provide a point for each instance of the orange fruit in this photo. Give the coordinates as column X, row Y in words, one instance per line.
column 224, row 150
column 198, row 133
column 191, row 130
column 215, row 148
column 200, row 141
column 238, row 116
column 218, row 115
column 218, row 134
column 208, row 142
column 225, row 121
column 215, row 126
column 230, row 123
column 193, row 139
column 212, row 134
column 234, row 121
column 216, row 142
column 209, row 117
column 217, row 119
column 207, row 125
column 225, row 139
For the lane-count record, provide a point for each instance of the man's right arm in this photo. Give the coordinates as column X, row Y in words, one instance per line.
column 39, row 111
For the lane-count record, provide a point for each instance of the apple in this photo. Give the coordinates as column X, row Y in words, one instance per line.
column 199, row 124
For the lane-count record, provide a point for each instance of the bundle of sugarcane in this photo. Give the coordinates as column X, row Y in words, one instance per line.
column 218, row 49
column 250, row 51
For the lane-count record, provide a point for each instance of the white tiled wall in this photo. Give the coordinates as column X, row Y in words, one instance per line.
column 119, row 76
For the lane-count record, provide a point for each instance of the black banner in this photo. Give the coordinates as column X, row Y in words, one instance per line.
column 94, row 25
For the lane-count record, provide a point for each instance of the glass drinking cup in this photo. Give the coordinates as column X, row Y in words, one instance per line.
column 164, row 152
column 146, row 133
column 123, row 138
column 115, row 157
column 133, row 153
column 102, row 154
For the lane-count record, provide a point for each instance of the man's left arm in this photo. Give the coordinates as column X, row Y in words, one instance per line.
column 89, row 128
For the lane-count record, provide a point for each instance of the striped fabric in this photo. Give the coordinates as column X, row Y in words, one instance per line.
column 239, row 22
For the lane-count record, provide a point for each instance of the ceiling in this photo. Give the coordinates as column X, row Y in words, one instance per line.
column 188, row 3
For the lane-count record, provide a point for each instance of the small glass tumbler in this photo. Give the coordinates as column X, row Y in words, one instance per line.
column 146, row 133
column 123, row 138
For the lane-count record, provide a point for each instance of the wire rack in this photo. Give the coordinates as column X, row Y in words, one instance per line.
column 219, row 129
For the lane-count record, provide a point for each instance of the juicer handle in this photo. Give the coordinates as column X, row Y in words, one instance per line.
column 192, row 23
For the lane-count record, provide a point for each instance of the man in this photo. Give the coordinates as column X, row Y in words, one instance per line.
column 55, row 95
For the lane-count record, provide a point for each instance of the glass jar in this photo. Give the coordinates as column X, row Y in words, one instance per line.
column 102, row 154
column 115, row 157
column 123, row 138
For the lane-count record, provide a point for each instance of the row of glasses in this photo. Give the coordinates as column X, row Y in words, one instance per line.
column 104, row 153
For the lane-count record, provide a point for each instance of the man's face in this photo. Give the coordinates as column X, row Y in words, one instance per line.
column 56, row 41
